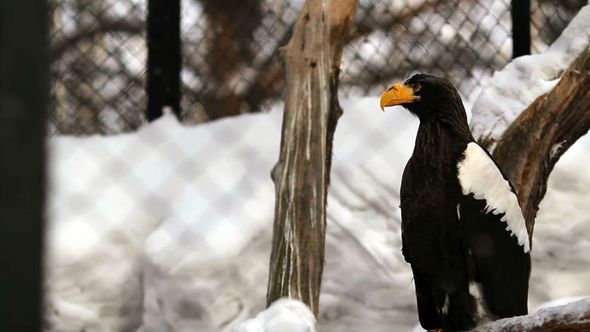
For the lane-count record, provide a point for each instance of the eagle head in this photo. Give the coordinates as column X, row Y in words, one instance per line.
column 424, row 95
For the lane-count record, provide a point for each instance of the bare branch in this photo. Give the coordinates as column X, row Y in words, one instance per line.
column 571, row 317
column 529, row 149
column 103, row 25
column 365, row 26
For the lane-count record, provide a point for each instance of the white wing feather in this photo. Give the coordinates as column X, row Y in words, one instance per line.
column 479, row 175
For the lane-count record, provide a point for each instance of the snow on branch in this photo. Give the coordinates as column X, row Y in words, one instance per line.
column 572, row 316
column 529, row 149
column 522, row 81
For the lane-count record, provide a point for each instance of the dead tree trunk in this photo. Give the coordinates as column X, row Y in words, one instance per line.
column 529, row 149
column 302, row 173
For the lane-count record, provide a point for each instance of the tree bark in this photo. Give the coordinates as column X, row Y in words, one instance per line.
column 529, row 149
column 302, row 173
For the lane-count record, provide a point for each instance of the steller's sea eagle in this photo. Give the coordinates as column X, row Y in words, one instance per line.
column 463, row 231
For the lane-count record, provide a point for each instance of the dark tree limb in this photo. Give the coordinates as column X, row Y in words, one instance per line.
column 301, row 176
column 231, row 30
column 388, row 21
column 103, row 25
column 529, row 149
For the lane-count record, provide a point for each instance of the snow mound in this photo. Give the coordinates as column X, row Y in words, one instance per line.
column 526, row 78
column 196, row 281
column 169, row 229
column 284, row 315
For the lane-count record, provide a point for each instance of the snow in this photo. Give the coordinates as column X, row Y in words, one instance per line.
column 169, row 228
column 523, row 80
column 284, row 315
column 117, row 201
column 575, row 312
column 479, row 175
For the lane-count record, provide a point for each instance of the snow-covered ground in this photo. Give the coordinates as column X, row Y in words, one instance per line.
column 283, row 315
column 169, row 228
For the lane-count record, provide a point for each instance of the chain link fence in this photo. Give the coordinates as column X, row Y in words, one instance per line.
column 230, row 62
column 148, row 229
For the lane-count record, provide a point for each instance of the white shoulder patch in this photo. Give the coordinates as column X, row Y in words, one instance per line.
column 479, row 175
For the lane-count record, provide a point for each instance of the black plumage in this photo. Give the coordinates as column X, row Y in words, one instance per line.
column 462, row 229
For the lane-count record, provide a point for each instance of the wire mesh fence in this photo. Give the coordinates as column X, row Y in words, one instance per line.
column 137, row 222
column 230, row 62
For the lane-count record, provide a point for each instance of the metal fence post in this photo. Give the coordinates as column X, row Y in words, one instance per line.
column 163, row 64
column 521, row 27
column 23, row 108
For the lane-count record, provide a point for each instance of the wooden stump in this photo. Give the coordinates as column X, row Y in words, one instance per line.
column 301, row 176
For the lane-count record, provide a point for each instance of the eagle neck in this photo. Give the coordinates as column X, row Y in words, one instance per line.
column 438, row 144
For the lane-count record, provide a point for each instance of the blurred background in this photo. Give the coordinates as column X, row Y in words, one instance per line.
column 229, row 53
column 165, row 226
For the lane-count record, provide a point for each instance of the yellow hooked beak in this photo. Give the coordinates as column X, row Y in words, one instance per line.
column 397, row 95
